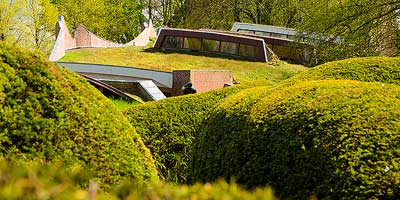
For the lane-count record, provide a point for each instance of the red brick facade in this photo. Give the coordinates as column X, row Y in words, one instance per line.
column 85, row 38
column 202, row 80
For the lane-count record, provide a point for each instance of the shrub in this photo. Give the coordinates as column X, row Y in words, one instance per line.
column 33, row 180
column 370, row 69
column 332, row 139
column 218, row 190
column 49, row 113
column 168, row 128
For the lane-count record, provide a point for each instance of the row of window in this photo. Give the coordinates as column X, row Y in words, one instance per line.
column 277, row 35
column 265, row 33
column 175, row 42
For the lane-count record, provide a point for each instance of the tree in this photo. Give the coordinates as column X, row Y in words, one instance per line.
column 221, row 14
column 8, row 23
column 39, row 18
column 30, row 23
column 117, row 20
column 124, row 20
column 170, row 13
column 355, row 28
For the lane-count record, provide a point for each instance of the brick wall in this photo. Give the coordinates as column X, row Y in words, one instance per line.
column 85, row 38
column 202, row 80
column 179, row 78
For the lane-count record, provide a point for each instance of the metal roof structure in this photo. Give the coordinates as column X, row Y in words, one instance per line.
column 246, row 47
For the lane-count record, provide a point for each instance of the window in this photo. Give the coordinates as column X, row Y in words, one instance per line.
column 210, row 45
column 281, row 51
column 172, row 42
column 229, row 47
column 263, row 33
column 292, row 37
column 248, row 50
column 192, row 43
column 245, row 31
column 295, row 54
column 278, row 35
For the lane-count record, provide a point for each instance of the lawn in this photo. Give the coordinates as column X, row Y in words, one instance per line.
column 244, row 71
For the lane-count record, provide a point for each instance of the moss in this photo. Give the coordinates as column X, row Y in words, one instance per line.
column 331, row 139
column 168, row 128
column 49, row 113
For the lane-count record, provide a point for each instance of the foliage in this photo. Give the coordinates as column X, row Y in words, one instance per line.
column 371, row 69
column 28, row 22
column 39, row 17
column 244, row 71
column 49, row 113
column 327, row 139
column 117, row 20
column 221, row 14
column 168, row 12
column 358, row 28
column 7, row 19
column 168, row 128
column 217, row 190
column 35, row 180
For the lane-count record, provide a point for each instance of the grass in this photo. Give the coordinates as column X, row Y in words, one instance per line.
column 244, row 71
column 122, row 104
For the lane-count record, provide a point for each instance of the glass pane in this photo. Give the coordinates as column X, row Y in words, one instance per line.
column 263, row 33
column 278, row 35
column 296, row 54
column 172, row 42
column 245, row 31
column 248, row 50
column 292, row 37
column 192, row 43
column 281, row 51
column 210, row 45
column 229, row 47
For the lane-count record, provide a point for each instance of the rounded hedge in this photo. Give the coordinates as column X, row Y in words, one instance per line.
column 49, row 113
column 369, row 69
column 32, row 180
column 168, row 128
column 331, row 139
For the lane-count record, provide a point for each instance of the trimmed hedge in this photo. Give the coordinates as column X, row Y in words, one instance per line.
column 331, row 139
column 49, row 113
column 369, row 69
column 33, row 180
column 168, row 128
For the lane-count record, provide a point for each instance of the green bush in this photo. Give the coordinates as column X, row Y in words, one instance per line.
column 218, row 190
column 49, row 113
column 331, row 139
column 370, row 69
column 168, row 128
column 33, row 180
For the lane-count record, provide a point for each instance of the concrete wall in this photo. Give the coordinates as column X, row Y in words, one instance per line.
column 144, row 37
column 64, row 40
column 122, row 73
column 202, row 80
column 85, row 39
